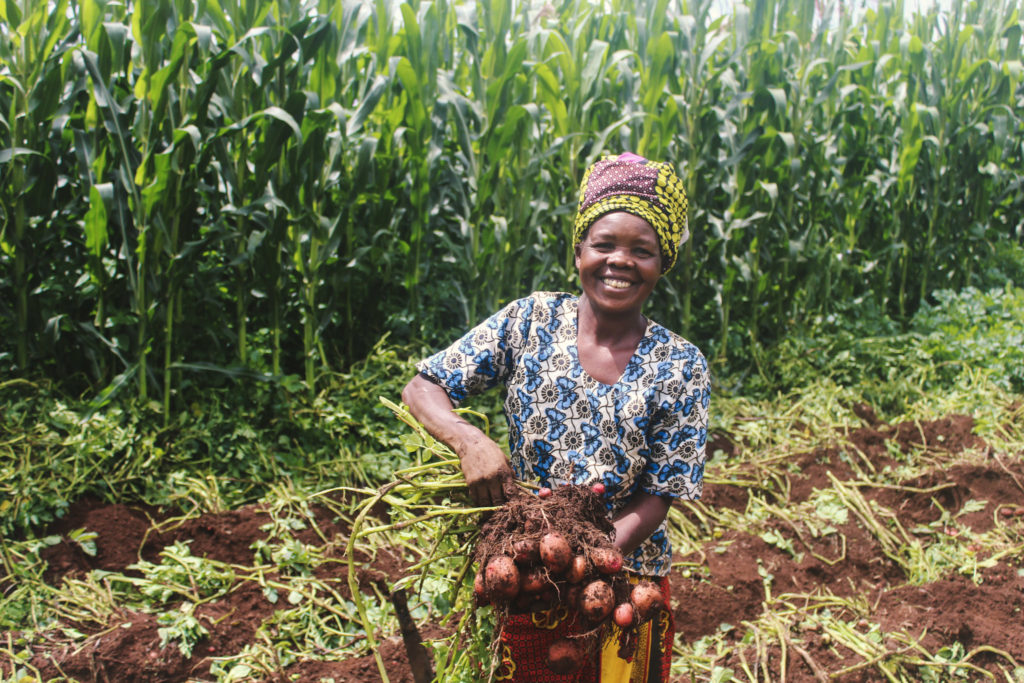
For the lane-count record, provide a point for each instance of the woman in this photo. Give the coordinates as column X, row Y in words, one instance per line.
column 597, row 393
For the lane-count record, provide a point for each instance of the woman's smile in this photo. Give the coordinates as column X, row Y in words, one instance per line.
column 616, row 283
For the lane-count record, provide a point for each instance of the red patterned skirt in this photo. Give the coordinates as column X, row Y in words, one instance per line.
column 525, row 639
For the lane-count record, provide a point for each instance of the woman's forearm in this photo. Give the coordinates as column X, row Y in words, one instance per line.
column 638, row 520
column 429, row 404
column 484, row 464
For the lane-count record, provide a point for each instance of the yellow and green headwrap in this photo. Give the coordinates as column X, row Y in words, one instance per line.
column 648, row 189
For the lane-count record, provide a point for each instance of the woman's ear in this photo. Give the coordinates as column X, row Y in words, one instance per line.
column 579, row 246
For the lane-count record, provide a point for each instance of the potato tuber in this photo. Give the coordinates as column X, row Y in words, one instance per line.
column 501, row 578
column 555, row 552
column 623, row 615
column 607, row 560
column 577, row 570
column 647, row 599
column 565, row 656
column 597, row 600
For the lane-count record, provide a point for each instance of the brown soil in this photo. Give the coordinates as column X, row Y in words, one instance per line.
column 735, row 573
column 127, row 649
column 953, row 610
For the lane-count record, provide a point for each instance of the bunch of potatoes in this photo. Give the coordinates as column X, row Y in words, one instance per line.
column 543, row 570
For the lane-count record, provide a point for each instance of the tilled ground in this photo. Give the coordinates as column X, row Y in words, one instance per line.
column 785, row 575
column 855, row 573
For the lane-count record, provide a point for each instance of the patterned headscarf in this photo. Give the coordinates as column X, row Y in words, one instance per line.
column 648, row 189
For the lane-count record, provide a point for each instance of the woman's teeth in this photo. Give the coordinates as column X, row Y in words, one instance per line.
column 616, row 284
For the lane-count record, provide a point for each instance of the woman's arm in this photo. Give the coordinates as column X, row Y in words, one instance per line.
column 484, row 464
column 638, row 520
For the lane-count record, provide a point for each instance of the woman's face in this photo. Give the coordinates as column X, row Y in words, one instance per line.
column 619, row 262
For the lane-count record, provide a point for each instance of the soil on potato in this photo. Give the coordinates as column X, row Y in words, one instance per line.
column 724, row 584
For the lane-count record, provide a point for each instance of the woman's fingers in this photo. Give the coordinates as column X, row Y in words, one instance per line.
column 486, row 493
column 494, row 490
column 486, row 470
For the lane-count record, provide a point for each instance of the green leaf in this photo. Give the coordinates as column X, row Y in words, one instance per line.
column 369, row 102
column 96, row 218
column 909, row 155
column 412, row 32
column 86, row 540
column 6, row 155
column 283, row 116
column 592, row 65
column 972, row 506
column 721, row 674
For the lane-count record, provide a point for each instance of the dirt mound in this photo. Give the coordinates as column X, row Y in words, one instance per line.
column 224, row 536
column 944, row 494
column 853, row 569
column 119, row 532
column 956, row 609
column 867, row 450
column 953, row 434
column 127, row 651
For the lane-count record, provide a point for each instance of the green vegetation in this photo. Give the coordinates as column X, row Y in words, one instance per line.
column 196, row 195
column 229, row 449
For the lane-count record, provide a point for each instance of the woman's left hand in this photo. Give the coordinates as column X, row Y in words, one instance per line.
column 638, row 520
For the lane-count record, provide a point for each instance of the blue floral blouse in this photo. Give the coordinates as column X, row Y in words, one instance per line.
column 645, row 433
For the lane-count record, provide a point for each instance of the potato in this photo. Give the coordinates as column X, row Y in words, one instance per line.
column 577, row 570
column 565, row 656
column 479, row 589
column 647, row 600
column 526, row 551
column 501, row 578
column 623, row 615
column 533, row 580
column 597, row 600
column 606, row 560
column 555, row 552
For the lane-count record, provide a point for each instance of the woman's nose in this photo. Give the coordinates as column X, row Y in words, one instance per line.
column 621, row 258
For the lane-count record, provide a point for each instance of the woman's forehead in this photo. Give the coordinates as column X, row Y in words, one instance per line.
column 622, row 224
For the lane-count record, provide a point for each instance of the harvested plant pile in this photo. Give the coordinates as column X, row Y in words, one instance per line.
column 537, row 552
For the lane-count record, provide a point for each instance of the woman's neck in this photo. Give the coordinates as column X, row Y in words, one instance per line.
column 610, row 330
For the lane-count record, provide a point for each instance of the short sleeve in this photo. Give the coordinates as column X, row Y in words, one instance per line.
column 482, row 358
column 678, row 430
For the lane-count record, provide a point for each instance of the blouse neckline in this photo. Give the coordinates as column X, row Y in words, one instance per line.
column 575, row 345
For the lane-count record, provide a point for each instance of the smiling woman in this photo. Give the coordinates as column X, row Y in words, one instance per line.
column 597, row 394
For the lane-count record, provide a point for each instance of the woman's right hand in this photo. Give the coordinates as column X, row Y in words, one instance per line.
column 486, row 470
column 484, row 464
